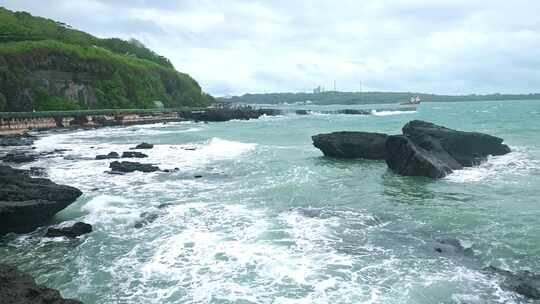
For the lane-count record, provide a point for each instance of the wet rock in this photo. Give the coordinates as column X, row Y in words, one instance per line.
column 467, row 148
column 73, row 231
column 54, row 152
column 524, row 283
column 302, row 112
column 198, row 176
column 37, row 172
column 146, row 218
column 111, row 155
column 165, row 205
column 404, row 157
column 27, row 203
column 133, row 155
column 20, row 288
column 127, row 167
column 354, row 112
column 351, row 144
column 17, row 140
column 143, row 146
column 452, row 245
column 435, row 151
column 19, row 157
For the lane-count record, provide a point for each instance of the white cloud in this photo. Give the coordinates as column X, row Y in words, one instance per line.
column 238, row 46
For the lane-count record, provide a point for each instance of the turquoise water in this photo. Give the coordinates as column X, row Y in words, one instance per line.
column 272, row 221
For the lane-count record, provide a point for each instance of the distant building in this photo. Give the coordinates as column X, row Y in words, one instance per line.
column 318, row 90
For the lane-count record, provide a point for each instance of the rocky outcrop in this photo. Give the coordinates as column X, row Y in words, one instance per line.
column 27, row 203
column 143, row 146
column 24, row 139
column 111, row 155
column 72, row 231
column 126, row 167
column 351, row 144
column 226, row 114
column 524, row 283
column 426, row 149
column 20, row 288
column 467, row 148
column 19, row 157
column 146, row 218
column 133, row 155
column 406, row 158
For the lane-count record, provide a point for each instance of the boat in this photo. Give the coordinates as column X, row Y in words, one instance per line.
column 413, row 101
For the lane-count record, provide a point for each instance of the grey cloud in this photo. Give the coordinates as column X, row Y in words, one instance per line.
column 238, row 46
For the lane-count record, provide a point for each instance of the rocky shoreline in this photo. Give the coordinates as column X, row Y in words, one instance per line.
column 28, row 201
column 20, row 123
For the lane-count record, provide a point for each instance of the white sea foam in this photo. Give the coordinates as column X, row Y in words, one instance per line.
column 517, row 162
column 108, row 209
column 390, row 113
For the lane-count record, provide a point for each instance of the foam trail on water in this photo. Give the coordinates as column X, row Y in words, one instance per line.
column 517, row 162
column 390, row 113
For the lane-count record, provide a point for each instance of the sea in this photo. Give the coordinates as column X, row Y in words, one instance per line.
column 254, row 213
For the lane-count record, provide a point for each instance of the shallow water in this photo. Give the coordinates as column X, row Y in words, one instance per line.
column 272, row 221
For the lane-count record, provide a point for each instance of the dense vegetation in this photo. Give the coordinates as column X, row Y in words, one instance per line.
column 46, row 65
column 350, row 98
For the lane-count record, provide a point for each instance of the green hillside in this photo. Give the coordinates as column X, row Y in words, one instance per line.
column 46, row 65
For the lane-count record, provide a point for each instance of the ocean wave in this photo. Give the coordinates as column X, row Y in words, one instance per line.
column 390, row 113
column 108, row 209
column 517, row 162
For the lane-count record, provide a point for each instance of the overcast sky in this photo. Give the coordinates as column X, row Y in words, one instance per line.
column 241, row 46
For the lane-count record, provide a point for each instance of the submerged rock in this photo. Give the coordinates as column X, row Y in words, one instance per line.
column 111, row 155
column 302, row 112
column 27, row 203
column 146, row 218
column 434, row 151
column 351, row 144
column 452, row 245
column 20, row 288
column 133, row 155
column 73, row 231
column 19, row 157
column 127, row 166
column 143, row 146
column 353, row 112
column 524, row 283
column 17, row 140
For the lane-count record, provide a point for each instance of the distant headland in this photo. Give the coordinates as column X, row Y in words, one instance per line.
column 352, row 98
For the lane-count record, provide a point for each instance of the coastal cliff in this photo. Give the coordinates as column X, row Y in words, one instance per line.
column 45, row 65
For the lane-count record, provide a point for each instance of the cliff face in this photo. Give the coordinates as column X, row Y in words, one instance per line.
column 51, row 70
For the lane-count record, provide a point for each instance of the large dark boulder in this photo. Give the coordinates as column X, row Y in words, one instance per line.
column 111, row 155
column 467, row 148
column 20, row 288
column 351, row 144
column 127, row 167
column 426, row 149
column 72, row 231
column 143, row 146
column 133, row 154
column 524, row 283
column 27, row 203
column 404, row 157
